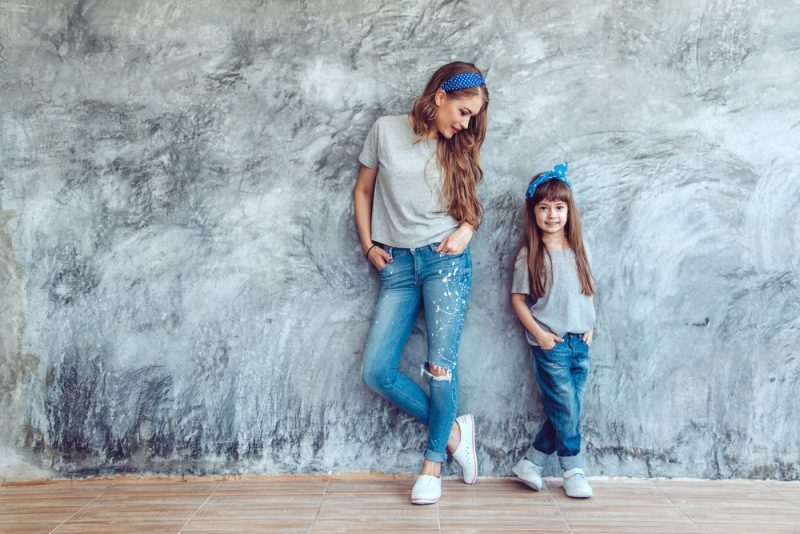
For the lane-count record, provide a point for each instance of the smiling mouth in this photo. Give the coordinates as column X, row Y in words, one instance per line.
column 455, row 130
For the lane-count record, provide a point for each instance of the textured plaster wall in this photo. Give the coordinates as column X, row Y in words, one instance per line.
column 181, row 289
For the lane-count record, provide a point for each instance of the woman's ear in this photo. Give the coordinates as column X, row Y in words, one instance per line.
column 439, row 97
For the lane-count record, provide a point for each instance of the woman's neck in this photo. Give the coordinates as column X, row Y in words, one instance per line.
column 430, row 135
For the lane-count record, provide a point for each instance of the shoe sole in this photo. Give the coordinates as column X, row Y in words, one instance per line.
column 529, row 484
column 474, row 452
column 425, row 501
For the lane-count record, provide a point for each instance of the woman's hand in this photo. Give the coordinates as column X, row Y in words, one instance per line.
column 456, row 242
column 378, row 257
column 548, row 340
column 587, row 337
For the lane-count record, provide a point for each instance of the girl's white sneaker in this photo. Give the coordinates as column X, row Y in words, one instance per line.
column 427, row 490
column 529, row 473
column 465, row 452
column 576, row 485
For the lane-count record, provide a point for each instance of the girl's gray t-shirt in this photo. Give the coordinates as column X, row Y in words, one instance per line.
column 563, row 309
column 407, row 207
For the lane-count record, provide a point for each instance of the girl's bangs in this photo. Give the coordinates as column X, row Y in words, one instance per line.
column 552, row 191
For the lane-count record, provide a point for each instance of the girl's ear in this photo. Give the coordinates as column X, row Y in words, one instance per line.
column 439, row 97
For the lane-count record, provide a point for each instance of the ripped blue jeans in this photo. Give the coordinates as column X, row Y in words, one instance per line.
column 440, row 283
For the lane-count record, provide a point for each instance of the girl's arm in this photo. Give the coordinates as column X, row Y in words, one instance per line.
column 587, row 337
column 362, row 207
column 546, row 340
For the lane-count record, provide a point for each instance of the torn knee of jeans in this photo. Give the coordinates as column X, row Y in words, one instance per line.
column 435, row 372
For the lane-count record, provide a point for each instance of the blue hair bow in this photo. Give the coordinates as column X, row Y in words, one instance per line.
column 559, row 172
column 463, row 80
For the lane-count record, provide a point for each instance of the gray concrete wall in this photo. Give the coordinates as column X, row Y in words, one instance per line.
column 181, row 289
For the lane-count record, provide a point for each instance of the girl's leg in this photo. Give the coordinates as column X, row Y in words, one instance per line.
column 557, row 389
column 396, row 310
column 447, row 282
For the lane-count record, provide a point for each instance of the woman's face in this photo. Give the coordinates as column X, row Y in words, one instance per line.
column 453, row 114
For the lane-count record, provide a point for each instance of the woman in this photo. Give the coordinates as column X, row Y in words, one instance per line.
column 416, row 209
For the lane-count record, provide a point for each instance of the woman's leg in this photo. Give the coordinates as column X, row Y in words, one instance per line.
column 447, row 283
column 395, row 312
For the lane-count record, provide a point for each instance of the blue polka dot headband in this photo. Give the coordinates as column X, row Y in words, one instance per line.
column 559, row 172
column 463, row 80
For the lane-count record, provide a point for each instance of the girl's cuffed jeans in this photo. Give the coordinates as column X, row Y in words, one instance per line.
column 440, row 283
column 560, row 374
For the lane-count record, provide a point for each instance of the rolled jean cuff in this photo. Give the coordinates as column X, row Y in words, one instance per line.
column 434, row 456
column 536, row 456
column 571, row 462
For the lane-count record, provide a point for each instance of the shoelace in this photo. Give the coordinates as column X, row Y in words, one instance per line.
column 578, row 477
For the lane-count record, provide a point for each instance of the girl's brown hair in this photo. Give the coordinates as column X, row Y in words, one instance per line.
column 554, row 191
column 459, row 156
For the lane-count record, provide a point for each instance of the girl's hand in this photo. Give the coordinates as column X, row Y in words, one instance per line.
column 587, row 337
column 548, row 340
column 456, row 242
column 378, row 257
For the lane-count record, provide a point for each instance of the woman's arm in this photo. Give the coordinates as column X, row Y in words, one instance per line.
column 362, row 207
column 456, row 242
column 546, row 340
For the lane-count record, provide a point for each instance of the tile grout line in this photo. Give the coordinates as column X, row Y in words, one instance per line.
column 438, row 517
column 679, row 507
column 324, row 494
column 201, row 505
column 558, row 508
column 82, row 508
column 792, row 503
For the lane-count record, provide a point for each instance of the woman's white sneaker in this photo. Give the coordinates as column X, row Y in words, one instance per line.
column 427, row 490
column 576, row 485
column 529, row 473
column 465, row 452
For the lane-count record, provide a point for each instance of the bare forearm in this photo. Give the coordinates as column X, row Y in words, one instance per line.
column 525, row 316
column 362, row 207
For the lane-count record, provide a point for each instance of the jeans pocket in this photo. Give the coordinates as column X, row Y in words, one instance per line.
column 448, row 254
column 388, row 250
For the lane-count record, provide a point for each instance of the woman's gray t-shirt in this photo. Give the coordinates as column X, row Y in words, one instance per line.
column 563, row 308
column 407, row 207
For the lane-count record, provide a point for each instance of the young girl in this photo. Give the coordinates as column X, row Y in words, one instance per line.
column 416, row 208
column 552, row 269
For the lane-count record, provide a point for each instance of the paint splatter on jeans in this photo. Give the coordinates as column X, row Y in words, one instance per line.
column 440, row 283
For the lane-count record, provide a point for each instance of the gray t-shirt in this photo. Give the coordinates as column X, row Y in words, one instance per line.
column 563, row 308
column 407, row 208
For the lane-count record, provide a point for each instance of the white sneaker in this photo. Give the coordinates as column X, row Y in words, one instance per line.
column 576, row 485
column 529, row 473
column 465, row 452
column 427, row 490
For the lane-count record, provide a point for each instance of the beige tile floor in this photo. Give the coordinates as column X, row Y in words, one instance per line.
column 380, row 503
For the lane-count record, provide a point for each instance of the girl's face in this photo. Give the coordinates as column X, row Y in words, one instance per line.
column 453, row 114
column 551, row 216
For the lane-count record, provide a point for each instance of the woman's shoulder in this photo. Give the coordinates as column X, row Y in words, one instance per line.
column 392, row 121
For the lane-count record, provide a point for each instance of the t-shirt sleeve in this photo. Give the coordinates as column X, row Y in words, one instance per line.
column 369, row 154
column 520, row 283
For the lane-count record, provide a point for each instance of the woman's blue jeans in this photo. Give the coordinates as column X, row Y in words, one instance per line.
column 441, row 284
column 560, row 374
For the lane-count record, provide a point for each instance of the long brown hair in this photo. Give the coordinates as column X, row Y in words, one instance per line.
column 554, row 191
column 459, row 156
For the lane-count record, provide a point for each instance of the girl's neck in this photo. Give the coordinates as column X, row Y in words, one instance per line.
column 555, row 241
